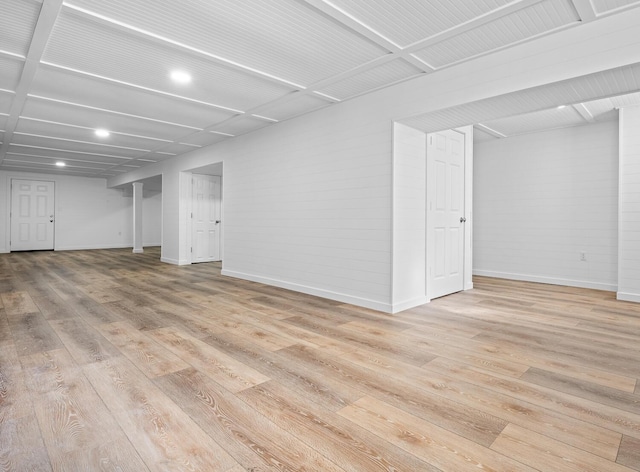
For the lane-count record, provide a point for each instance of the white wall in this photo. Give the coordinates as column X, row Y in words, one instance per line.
column 151, row 218
column 409, row 217
column 541, row 199
column 308, row 202
column 629, row 210
column 88, row 214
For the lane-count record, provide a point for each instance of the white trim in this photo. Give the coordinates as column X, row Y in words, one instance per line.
column 628, row 297
column 174, row 261
column 547, row 280
column 408, row 304
column 318, row 292
column 92, row 247
column 138, row 251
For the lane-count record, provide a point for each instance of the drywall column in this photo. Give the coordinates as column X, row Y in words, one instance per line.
column 409, row 210
column 137, row 217
column 629, row 206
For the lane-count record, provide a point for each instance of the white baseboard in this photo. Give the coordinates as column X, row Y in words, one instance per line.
column 174, row 261
column 138, row 251
column 628, row 297
column 92, row 247
column 408, row 304
column 340, row 297
column 546, row 280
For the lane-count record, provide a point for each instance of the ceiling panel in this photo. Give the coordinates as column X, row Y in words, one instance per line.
column 62, row 85
column 51, row 160
column 632, row 99
column 479, row 135
column 17, row 22
column 84, row 44
column 3, row 122
column 283, row 38
column 295, row 105
column 540, row 120
column 242, row 125
column 27, row 166
column 91, row 118
column 156, row 157
column 49, row 142
column 5, row 101
column 11, row 69
column 63, row 154
column 203, row 138
column 179, row 148
column 526, row 23
column 597, row 108
column 405, row 22
column 371, row 79
column 603, row 6
column 73, row 133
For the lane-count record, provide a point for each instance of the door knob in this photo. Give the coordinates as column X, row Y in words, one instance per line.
column 50, row 218
column 217, row 221
column 463, row 219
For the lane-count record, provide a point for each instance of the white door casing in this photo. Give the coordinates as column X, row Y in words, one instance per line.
column 445, row 212
column 32, row 215
column 206, row 219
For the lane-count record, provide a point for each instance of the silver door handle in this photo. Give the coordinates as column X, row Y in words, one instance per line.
column 217, row 221
column 463, row 219
column 51, row 219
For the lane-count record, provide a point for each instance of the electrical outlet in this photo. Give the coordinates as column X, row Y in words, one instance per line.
column 583, row 256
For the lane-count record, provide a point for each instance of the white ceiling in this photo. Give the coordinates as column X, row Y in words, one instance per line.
column 69, row 67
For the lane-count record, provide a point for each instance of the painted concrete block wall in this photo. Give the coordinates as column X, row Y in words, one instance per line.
column 542, row 199
column 88, row 214
column 629, row 210
column 409, row 211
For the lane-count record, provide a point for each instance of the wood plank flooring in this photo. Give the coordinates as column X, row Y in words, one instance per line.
column 115, row 361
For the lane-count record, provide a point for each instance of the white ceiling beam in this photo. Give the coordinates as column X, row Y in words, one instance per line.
column 491, row 131
column 585, row 10
column 44, row 26
column 584, row 112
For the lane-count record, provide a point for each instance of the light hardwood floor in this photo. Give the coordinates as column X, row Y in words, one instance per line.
column 114, row 361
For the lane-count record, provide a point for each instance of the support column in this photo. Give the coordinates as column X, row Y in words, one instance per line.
column 629, row 206
column 137, row 217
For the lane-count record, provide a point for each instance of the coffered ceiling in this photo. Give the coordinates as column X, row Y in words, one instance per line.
column 68, row 68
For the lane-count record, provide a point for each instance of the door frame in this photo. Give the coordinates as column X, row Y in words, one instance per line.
column 467, row 131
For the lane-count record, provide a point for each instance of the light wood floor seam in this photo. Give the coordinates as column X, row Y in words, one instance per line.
column 115, row 361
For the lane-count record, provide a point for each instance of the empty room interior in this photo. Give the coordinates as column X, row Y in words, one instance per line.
column 320, row 235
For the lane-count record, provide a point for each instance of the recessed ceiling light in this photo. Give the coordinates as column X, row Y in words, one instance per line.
column 60, row 164
column 180, row 77
column 102, row 133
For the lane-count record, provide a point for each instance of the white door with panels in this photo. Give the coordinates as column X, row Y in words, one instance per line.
column 446, row 216
column 206, row 219
column 32, row 215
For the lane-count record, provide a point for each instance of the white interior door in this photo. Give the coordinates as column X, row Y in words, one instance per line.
column 32, row 215
column 206, row 205
column 446, row 216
